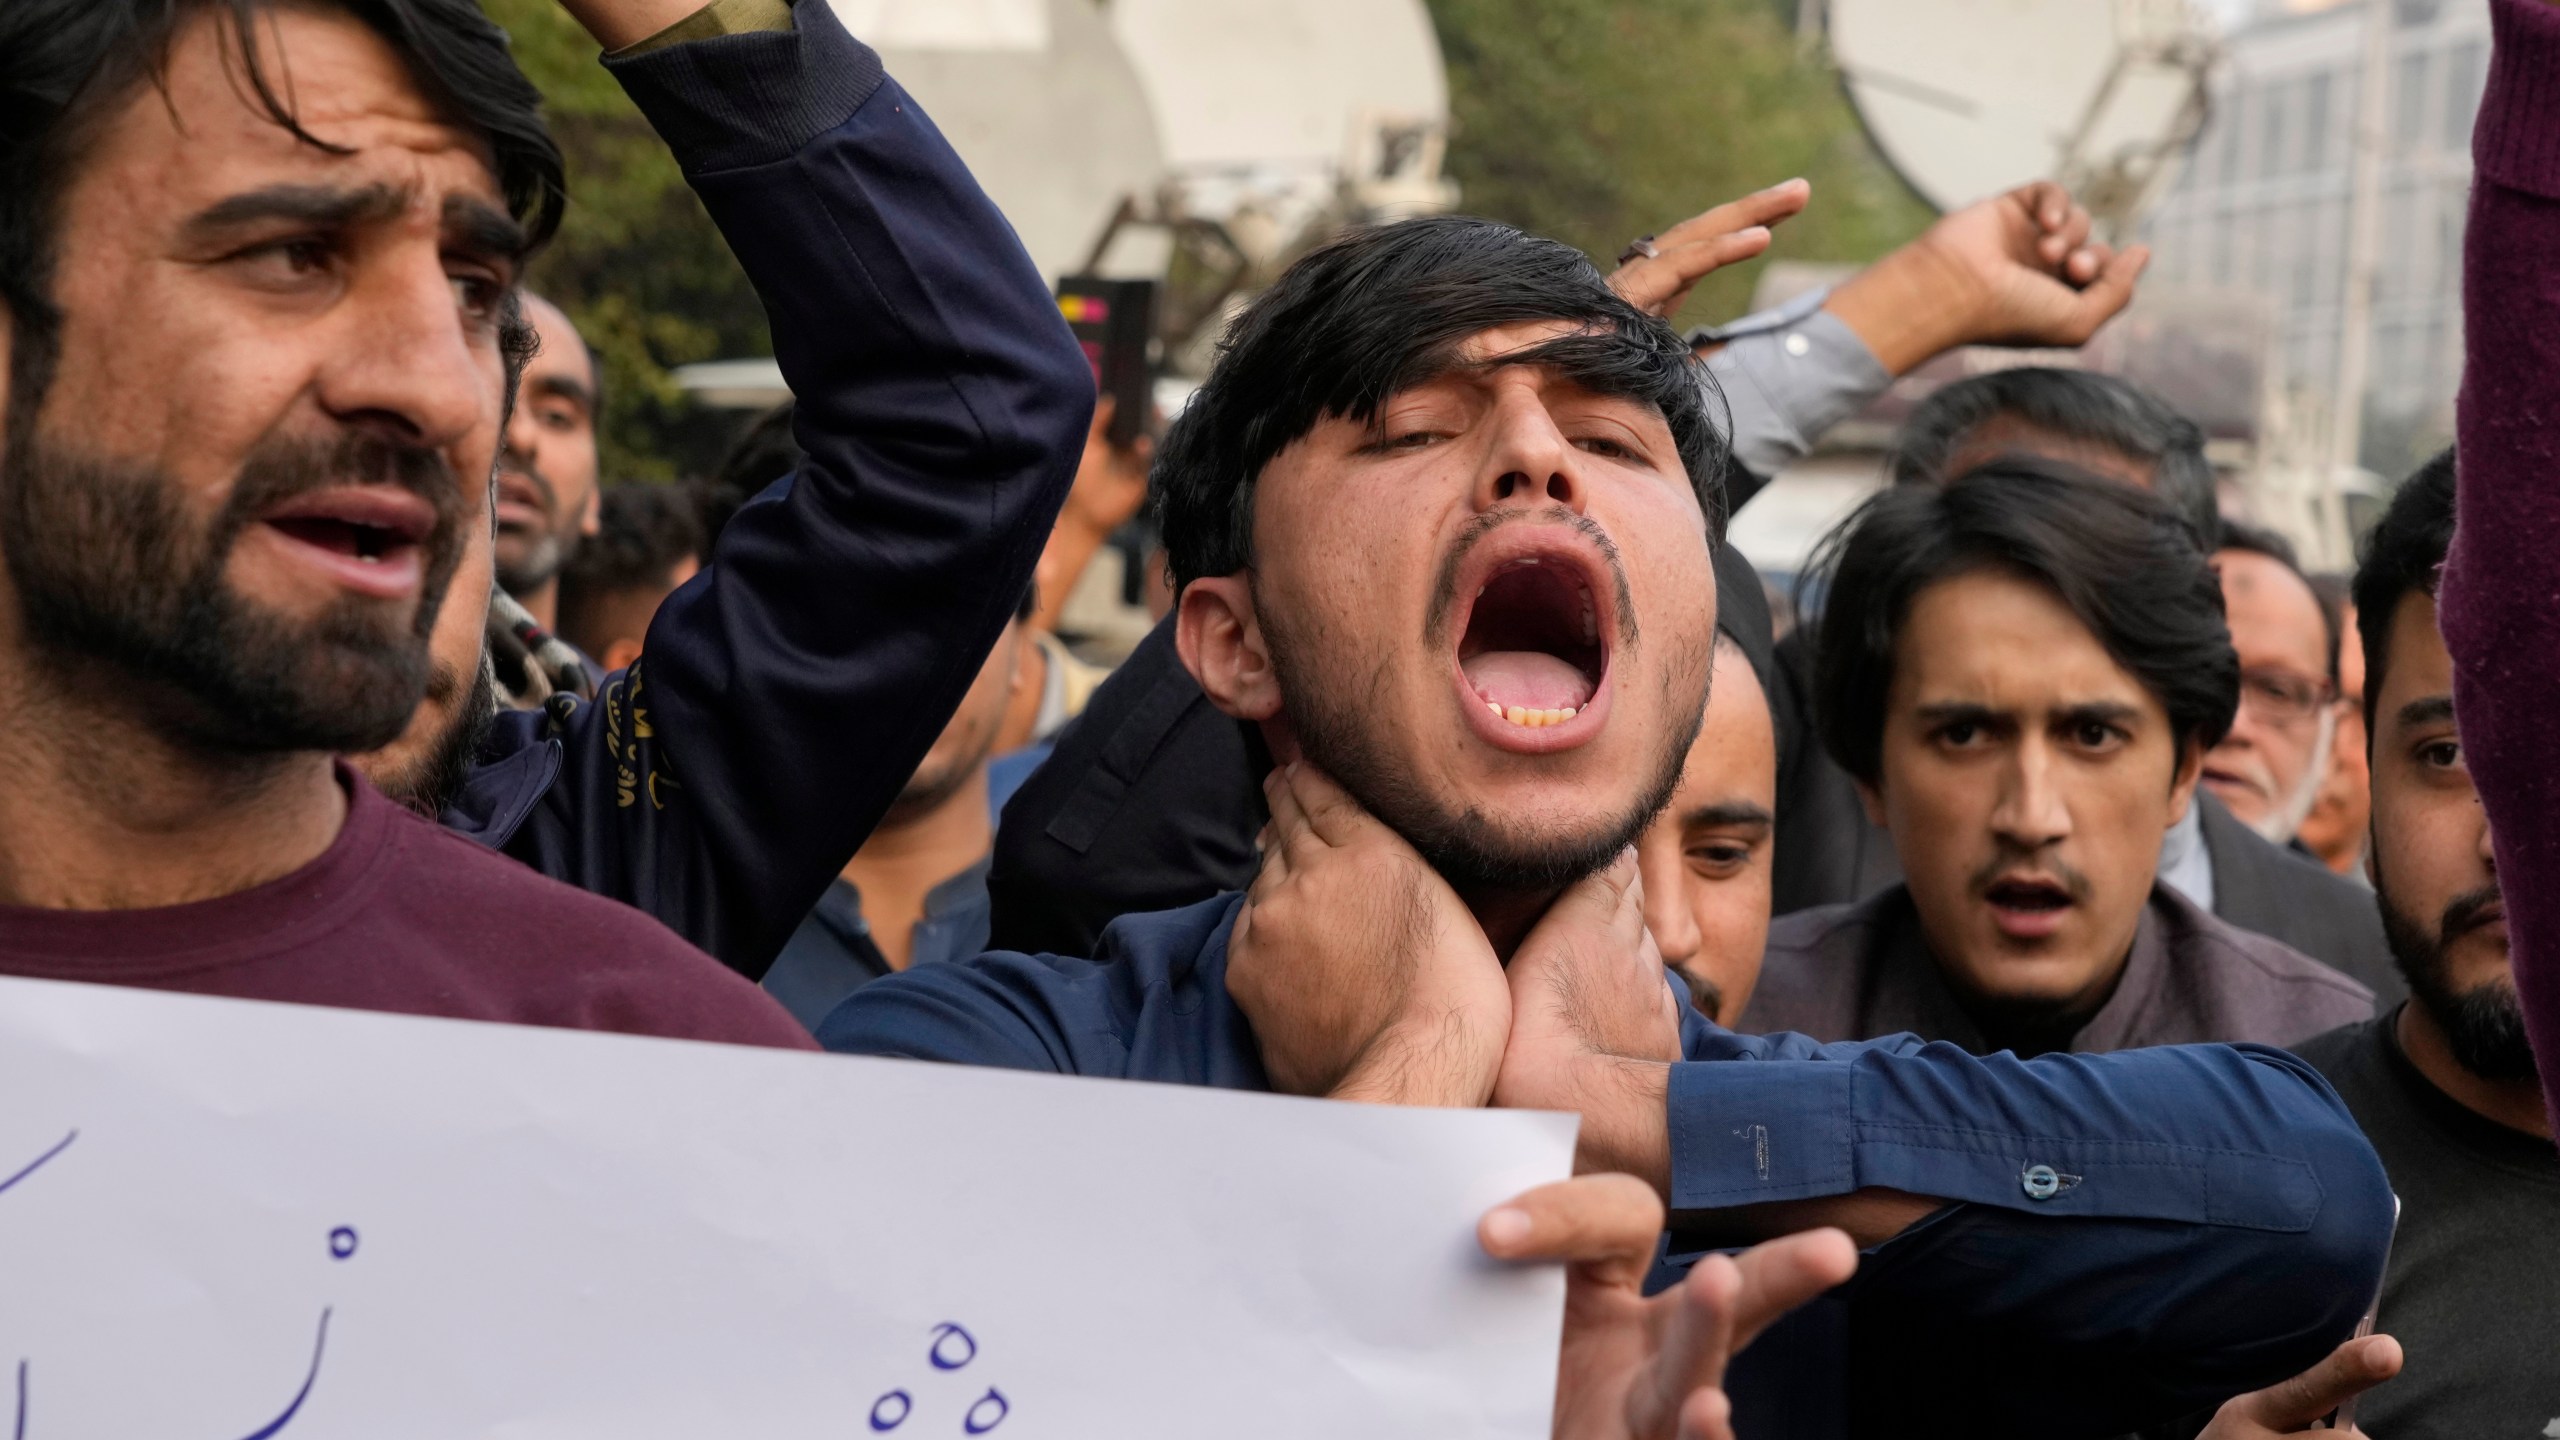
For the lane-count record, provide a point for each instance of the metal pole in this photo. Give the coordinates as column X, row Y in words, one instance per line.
column 2364, row 249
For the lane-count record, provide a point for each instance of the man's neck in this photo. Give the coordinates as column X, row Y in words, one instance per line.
column 898, row 867
column 542, row 602
column 2516, row 1104
column 1508, row 916
column 103, row 813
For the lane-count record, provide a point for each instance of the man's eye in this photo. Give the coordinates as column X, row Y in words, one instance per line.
column 477, row 295
column 1413, row 440
column 294, row 259
column 1610, row 448
column 2094, row 735
column 1960, row 735
column 1720, row 858
column 2441, row 755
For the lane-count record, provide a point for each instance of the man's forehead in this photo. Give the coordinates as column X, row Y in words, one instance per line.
column 1505, row 356
column 2418, row 665
column 564, row 352
column 1990, row 638
column 205, row 130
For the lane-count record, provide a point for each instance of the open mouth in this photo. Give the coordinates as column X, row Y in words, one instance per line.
column 2221, row 779
column 524, row 502
column 2030, row 896
column 1533, row 654
column 352, row 538
column 369, row 540
column 2028, row 908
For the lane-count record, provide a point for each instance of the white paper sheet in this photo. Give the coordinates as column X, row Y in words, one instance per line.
column 222, row 1220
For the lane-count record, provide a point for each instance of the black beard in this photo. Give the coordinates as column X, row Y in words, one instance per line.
column 117, row 585
column 430, row 786
column 2483, row 1026
column 1467, row 847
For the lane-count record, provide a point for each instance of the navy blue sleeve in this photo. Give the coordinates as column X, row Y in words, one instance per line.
column 788, row 691
column 2143, row 1233
column 1151, row 1004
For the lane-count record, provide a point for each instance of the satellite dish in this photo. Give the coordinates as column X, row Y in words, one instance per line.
column 947, row 24
column 1240, row 84
column 1049, row 115
column 1967, row 98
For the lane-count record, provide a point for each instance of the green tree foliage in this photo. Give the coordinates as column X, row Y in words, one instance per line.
column 1596, row 121
column 638, row 265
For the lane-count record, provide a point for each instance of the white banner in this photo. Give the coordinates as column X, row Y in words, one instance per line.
column 225, row 1219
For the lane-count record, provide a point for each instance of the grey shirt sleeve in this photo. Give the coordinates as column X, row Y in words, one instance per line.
column 1788, row 375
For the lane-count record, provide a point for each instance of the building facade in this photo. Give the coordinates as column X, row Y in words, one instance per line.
column 2262, row 205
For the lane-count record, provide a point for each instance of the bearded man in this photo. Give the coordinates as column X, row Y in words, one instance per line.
column 279, row 244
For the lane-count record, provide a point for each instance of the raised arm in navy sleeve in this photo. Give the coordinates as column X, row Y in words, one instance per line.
column 788, row 691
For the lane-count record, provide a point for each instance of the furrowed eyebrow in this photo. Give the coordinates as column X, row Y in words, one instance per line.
column 565, row 388
column 1948, row 712
column 2425, row 710
column 479, row 228
column 327, row 206
column 1730, row 813
column 2107, row 712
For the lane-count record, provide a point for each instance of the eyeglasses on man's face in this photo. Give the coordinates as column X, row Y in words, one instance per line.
column 2284, row 699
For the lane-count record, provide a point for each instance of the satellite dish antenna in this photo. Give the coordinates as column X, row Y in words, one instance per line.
column 1281, row 124
column 1967, row 98
column 1247, row 84
column 1037, row 97
column 947, row 24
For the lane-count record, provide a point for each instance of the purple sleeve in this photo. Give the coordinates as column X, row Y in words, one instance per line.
column 2500, row 602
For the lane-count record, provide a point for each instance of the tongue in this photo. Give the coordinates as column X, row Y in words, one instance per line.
column 1530, row 679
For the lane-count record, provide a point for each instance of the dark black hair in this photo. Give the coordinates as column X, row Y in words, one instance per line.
column 641, row 532
column 1377, row 312
column 65, row 65
column 2075, row 404
column 2120, row 558
column 2256, row 540
column 2401, row 558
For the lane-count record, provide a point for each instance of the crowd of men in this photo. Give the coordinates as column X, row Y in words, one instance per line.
column 2031, row 996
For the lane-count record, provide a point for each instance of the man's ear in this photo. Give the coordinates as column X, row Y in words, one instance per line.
column 1871, row 800
column 592, row 521
column 1220, row 639
column 2182, row 785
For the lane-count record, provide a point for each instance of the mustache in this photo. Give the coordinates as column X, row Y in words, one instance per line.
column 2074, row 883
column 1444, row 589
column 284, row 469
column 509, row 464
column 2475, row 910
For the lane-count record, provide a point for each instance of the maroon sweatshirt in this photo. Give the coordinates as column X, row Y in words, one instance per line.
column 402, row 915
column 2500, row 602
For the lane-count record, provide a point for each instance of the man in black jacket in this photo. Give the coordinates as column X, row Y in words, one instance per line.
column 789, row 690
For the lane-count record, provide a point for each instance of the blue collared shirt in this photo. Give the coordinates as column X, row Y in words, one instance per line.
column 2223, row 1219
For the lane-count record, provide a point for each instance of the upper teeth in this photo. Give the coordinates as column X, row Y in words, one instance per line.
column 1519, row 715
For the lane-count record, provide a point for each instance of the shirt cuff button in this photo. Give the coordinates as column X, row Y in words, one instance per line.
column 2040, row 1182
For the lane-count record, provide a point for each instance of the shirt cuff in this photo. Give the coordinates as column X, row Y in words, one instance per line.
column 1785, row 385
column 2124, row 1136
column 720, row 17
